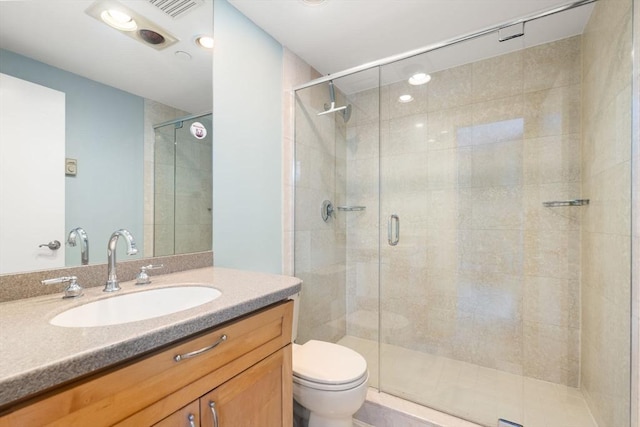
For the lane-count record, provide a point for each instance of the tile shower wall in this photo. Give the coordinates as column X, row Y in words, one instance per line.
column 182, row 190
column 295, row 72
column 194, row 189
column 319, row 246
column 606, row 166
column 154, row 113
column 483, row 272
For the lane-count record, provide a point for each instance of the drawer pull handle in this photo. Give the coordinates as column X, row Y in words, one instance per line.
column 191, row 420
column 214, row 413
column 179, row 357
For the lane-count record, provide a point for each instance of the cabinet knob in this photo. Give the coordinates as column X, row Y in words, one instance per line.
column 192, row 420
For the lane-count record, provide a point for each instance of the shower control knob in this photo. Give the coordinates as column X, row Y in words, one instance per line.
column 327, row 210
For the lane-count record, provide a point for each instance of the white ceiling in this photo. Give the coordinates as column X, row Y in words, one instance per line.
column 334, row 36
column 61, row 34
column 340, row 34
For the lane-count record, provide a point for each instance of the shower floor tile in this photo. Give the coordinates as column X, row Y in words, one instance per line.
column 472, row 392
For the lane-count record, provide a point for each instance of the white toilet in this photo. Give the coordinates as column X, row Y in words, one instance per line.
column 330, row 381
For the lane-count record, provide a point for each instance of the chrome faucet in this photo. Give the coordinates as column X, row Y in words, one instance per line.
column 112, row 278
column 84, row 243
column 73, row 290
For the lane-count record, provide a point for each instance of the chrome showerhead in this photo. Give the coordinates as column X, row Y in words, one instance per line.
column 345, row 110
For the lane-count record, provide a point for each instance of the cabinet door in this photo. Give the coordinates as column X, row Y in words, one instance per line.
column 260, row 396
column 189, row 416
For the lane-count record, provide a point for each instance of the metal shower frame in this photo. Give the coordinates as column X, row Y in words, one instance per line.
column 445, row 43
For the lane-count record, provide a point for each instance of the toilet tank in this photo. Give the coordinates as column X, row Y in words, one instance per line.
column 296, row 309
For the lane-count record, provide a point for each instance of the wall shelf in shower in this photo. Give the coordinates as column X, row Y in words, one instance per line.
column 561, row 203
column 351, row 208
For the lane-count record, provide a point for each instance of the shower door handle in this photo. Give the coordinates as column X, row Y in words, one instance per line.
column 393, row 240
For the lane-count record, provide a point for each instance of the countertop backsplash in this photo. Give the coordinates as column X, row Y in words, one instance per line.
column 27, row 285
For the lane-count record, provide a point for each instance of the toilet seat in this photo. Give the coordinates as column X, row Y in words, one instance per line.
column 326, row 366
column 330, row 387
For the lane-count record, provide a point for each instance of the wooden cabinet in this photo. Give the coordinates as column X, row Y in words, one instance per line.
column 247, row 376
column 256, row 397
column 189, row 416
column 259, row 396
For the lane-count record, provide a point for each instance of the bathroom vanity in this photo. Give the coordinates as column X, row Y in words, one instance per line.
column 229, row 359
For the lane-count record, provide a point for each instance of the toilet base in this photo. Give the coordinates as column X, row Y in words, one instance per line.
column 316, row 420
column 302, row 417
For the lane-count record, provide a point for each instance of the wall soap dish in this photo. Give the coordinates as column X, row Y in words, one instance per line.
column 351, row 208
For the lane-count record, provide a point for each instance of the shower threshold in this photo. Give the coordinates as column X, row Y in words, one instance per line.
column 471, row 392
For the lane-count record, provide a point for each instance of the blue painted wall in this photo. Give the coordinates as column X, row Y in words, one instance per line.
column 247, row 147
column 105, row 132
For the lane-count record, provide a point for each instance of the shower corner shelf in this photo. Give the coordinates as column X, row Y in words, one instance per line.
column 351, row 208
column 561, row 203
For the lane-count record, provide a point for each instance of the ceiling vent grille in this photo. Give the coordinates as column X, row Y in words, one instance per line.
column 176, row 8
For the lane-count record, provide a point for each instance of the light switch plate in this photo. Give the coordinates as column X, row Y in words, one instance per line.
column 70, row 167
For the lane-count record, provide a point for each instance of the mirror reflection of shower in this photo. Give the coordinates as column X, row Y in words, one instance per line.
column 183, row 185
column 344, row 111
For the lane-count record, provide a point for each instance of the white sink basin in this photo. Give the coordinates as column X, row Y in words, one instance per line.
column 136, row 306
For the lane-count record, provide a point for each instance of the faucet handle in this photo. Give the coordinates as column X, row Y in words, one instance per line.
column 72, row 291
column 143, row 277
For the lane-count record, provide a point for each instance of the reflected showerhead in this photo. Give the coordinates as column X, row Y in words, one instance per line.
column 345, row 110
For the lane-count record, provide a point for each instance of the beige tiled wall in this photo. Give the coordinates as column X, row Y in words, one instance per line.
column 635, row 213
column 154, row 113
column 317, row 175
column 606, row 243
column 483, row 272
column 184, row 181
column 294, row 72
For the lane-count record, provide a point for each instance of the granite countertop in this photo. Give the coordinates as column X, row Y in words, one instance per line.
column 37, row 356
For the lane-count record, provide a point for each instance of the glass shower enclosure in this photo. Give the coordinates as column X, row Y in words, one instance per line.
column 464, row 223
column 183, row 186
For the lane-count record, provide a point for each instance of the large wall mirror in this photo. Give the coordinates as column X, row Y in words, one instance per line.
column 137, row 127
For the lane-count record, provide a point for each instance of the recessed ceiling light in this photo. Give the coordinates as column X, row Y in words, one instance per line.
column 405, row 98
column 419, row 125
column 205, row 42
column 131, row 24
column 119, row 20
column 419, row 79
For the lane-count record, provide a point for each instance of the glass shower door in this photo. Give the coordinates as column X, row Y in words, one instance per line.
column 458, row 215
column 336, row 255
column 193, row 186
column 417, row 242
column 183, row 187
column 494, row 280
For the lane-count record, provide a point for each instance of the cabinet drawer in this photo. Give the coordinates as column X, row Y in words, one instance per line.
column 189, row 416
column 118, row 393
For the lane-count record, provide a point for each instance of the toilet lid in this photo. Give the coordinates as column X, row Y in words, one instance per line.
column 327, row 363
